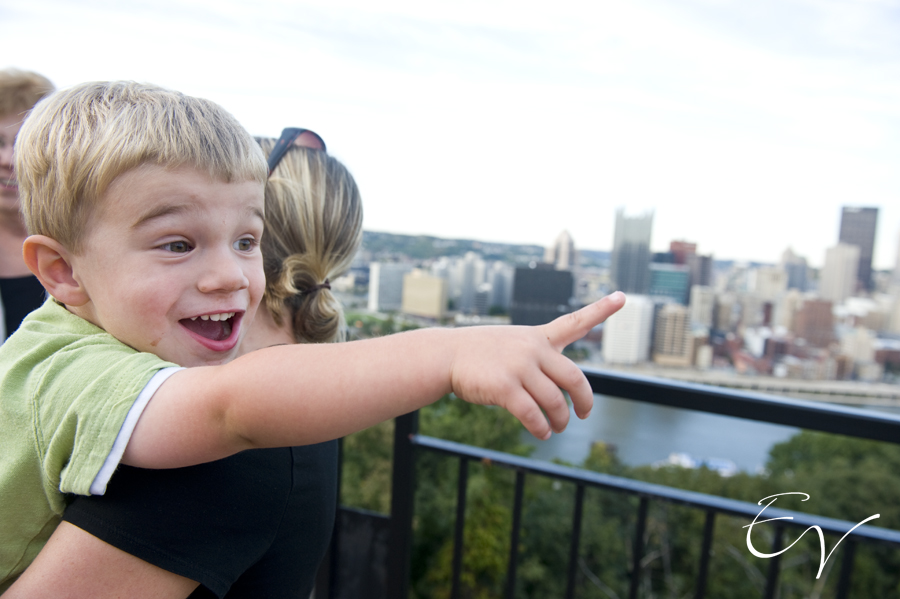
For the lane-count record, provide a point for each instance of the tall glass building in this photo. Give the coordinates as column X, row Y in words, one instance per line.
column 630, row 260
column 858, row 228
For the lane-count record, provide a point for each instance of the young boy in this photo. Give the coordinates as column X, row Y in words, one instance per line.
column 145, row 213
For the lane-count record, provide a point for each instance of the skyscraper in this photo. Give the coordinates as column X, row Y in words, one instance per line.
column 858, row 228
column 540, row 294
column 703, row 302
column 630, row 261
column 386, row 286
column 796, row 268
column 814, row 321
column 701, row 269
column 626, row 334
column 682, row 250
column 895, row 280
column 670, row 281
column 672, row 343
column 424, row 294
column 562, row 253
column 839, row 275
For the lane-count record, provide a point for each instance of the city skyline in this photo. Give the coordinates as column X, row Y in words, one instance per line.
column 744, row 126
column 549, row 248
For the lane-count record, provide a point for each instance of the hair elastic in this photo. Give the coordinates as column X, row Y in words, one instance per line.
column 324, row 285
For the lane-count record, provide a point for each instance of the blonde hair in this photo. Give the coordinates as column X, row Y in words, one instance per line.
column 313, row 229
column 21, row 90
column 77, row 141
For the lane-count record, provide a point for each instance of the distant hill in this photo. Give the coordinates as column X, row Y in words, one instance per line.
column 386, row 246
column 424, row 247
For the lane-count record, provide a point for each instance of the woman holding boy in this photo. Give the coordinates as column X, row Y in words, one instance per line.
column 255, row 524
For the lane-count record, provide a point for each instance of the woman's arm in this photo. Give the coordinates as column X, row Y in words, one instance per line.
column 302, row 394
column 76, row 565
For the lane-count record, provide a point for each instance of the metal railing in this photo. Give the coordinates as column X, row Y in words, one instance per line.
column 727, row 402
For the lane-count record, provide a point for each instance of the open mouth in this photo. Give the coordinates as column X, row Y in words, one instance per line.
column 8, row 182
column 215, row 327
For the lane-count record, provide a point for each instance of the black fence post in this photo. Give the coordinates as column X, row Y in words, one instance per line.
column 402, row 498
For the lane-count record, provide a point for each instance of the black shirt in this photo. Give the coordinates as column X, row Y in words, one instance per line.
column 20, row 295
column 255, row 524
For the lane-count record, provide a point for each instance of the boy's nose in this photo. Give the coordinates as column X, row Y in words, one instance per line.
column 222, row 273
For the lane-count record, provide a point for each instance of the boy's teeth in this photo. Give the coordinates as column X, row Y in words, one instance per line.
column 215, row 317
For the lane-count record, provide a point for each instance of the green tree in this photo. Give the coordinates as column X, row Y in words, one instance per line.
column 846, row 478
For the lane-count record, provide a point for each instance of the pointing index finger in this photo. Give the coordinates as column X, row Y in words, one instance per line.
column 575, row 325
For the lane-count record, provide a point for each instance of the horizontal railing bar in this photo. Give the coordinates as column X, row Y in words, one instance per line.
column 670, row 494
column 819, row 416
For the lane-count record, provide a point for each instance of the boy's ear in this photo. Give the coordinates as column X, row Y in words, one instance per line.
column 51, row 264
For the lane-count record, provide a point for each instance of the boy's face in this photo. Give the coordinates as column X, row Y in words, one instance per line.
column 171, row 263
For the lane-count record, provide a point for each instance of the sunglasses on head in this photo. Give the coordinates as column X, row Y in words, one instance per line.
column 291, row 136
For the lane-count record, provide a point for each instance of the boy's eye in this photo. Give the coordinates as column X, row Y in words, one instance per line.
column 178, row 247
column 244, row 245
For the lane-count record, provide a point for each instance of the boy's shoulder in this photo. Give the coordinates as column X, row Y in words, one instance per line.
column 52, row 328
column 55, row 347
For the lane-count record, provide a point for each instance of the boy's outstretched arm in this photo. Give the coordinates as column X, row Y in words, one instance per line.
column 300, row 394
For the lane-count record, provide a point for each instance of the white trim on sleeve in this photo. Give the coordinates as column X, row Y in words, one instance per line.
column 98, row 487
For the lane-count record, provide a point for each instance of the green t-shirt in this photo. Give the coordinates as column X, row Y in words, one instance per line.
column 66, row 387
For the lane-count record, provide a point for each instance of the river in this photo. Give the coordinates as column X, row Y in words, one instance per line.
column 644, row 433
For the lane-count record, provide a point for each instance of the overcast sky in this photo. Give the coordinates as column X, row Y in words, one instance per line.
column 744, row 125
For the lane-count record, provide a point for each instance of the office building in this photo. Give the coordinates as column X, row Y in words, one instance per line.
column 540, row 294
column 470, row 274
column 386, row 286
column 858, row 344
column 895, row 279
column 630, row 259
column 500, row 277
column 814, row 322
column 839, row 276
column 797, row 270
column 424, row 295
column 626, row 334
column 702, row 304
column 481, row 304
column 701, row 269
column 752, row 309
column 858, row 227
column 894, row 316
column 727, row 313
column 768, row 282
column 562, row 253
column 682, row 251
column 670, row 281
column 672, row 340
column 786, row 308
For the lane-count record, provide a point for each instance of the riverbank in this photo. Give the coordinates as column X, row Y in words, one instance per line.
column 844, row 392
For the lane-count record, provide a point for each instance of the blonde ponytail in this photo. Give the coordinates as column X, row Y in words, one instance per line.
column 313, row 230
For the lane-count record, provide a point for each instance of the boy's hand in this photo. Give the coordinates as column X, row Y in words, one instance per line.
column 523, row 370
